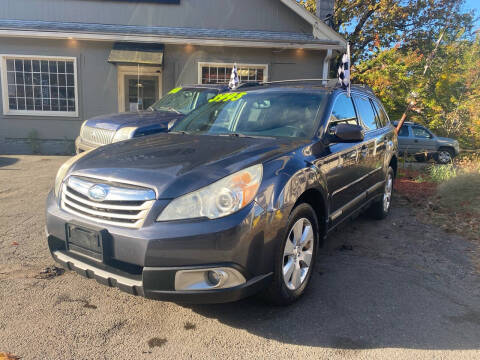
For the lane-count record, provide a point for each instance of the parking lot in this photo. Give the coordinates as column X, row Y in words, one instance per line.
column 391, row 289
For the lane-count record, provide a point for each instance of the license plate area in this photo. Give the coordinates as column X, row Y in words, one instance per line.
column 84, row 241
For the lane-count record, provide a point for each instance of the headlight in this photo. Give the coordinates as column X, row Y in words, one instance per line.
column 83, row 125
column 124, row 134
column 63, row 171
column 217, row 200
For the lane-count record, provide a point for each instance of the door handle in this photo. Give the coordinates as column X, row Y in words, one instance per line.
column 415, row 140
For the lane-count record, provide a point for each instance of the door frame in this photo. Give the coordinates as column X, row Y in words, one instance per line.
column 122, row 70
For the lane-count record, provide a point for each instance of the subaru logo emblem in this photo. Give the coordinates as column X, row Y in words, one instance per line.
column 98, row 192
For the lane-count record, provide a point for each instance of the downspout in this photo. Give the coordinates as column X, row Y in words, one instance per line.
column 326, row 65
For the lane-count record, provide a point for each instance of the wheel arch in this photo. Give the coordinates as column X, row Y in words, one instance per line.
column 394, row 164
column 316, row 199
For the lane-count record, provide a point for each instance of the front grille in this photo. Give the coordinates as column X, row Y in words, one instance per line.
column 96, row 136
column 125, row 206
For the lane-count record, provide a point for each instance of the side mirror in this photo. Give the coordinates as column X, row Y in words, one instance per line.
column 346, row 133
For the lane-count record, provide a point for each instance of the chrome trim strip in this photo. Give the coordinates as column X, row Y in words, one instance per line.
column 113, row 215
column 356, row 181
column 146, row 205
column 375, row 187
column 74, row 264
column 134, row 225
column 353, row 202
column 115, row 193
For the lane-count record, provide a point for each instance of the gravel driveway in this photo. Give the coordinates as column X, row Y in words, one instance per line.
column 392, row 289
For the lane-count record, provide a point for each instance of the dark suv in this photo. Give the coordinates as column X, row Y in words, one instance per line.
column 235, row 200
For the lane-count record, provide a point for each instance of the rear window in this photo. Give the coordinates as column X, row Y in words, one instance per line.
column 382, row 117
column 366, row 112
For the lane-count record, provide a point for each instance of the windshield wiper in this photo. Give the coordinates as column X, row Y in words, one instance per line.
column 179, row 132
column 239, row 135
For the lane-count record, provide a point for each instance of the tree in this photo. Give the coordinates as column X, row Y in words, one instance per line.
column 369, row 24
column 447, row 98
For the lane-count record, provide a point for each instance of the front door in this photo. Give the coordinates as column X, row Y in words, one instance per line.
column 138, row 87
column 140, row 92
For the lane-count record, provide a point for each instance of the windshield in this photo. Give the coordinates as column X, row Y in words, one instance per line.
column 272, row 113
column 184, row 100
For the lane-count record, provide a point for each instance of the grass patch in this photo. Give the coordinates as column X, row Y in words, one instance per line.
column 441, row 173
column 446, row 195
column 460, row 193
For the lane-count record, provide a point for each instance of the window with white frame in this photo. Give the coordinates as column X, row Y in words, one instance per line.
column 39, row 85
column 219, row 73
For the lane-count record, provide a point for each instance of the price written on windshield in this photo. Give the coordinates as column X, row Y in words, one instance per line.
column 234, row 96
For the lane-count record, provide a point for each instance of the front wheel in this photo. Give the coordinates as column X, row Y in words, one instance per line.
column 380, row 208
column 295, row 257
column 444, row 156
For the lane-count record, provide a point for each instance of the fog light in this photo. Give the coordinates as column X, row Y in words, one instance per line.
column 208, row 279
column 216, row 278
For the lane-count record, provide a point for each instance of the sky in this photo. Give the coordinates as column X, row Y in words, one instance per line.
column 474, row 4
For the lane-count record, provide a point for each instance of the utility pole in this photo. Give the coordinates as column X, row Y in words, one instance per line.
column 411, row 103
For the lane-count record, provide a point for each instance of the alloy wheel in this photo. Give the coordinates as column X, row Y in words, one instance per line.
column 387, row 195
column 444, row 157
column 297, row 254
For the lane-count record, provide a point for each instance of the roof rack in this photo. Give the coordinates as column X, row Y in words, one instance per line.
column 324, row 82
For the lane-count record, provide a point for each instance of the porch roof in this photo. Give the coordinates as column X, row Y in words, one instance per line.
column 137, row 33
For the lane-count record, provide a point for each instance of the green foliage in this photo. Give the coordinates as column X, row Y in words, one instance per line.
column 441, row 173
column 390, row 42
column 447, row 97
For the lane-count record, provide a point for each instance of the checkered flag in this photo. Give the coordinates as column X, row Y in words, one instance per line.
column 344, row 71
column 234, row 79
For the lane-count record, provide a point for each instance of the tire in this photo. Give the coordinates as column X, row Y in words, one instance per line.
column 444, row 156
column 286, row 289
column 380, row 208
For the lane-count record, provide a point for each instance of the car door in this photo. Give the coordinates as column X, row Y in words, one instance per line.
column 368, row 162
column 339, row 162
column 405, row 140
column 423, row 140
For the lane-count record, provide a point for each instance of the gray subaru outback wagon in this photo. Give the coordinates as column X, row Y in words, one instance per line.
column 234, row 201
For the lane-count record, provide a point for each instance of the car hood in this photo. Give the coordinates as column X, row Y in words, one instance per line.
column 176, row 164
column 134, row 119
column 446, row 140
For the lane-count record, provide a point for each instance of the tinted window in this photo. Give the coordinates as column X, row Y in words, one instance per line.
column 382, row 117
column 403, row 131
column 272, row 113
column 420, row 132
column 343, row 111
column 366, row 112
column 184, row 100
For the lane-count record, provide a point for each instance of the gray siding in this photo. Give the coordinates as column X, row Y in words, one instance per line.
column 97, row 84
column 97, row 81
column 181, row 67
column 213, row 14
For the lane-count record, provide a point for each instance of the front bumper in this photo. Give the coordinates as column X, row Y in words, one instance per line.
column 145, row 261
column 152, row 278
column 81, row 147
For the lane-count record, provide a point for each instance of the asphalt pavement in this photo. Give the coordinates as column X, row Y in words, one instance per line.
column 391, row 289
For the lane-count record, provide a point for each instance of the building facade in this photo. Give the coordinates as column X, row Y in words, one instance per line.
column 64, row 61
